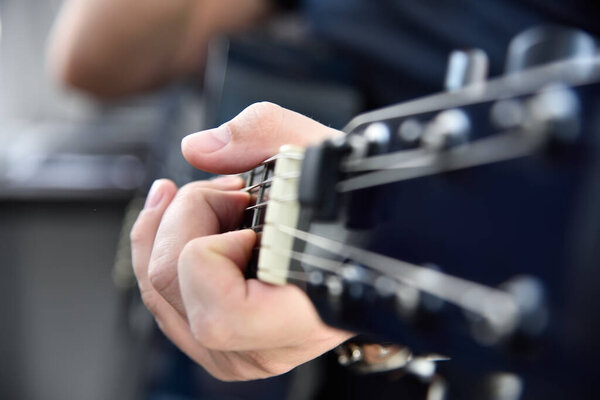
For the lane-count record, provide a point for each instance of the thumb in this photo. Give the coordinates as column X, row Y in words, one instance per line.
column 251, row 137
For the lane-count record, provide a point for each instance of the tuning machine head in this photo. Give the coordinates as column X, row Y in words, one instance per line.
column 546, row 44
column 448, row 129
column 466, row 68
column 555, row 110
column 528, row 295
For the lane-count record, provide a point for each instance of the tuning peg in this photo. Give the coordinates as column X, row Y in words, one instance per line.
column 410, row 131
column 556, row 111
column 378, row 136
column 466, row 67
column 527, row 294
column 545, row 44
column 448, row 129
column 502, row 386
column 530, row 295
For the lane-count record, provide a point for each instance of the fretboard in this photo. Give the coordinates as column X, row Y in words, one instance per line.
column 273, row 186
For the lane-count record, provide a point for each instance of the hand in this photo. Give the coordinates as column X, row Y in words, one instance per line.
column 189, row 263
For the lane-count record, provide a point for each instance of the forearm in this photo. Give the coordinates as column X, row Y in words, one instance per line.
column 118, row 47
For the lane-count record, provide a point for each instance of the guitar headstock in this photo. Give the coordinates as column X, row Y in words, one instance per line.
column 464, row 223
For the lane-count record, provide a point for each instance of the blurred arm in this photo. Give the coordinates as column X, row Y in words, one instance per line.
column 114, row 48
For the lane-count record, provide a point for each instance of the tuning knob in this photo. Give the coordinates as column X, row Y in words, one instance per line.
column 546, row 44
column 466, row 67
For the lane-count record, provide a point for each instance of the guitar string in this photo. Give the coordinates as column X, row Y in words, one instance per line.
column 520, row 84
column 328, row 265
column 322, row 263
column 269, row 161
column 503, row 324
column 317, row 261
column 453, row 289
column 403, row 158
column 271, row 200
column 420, row 158
column 268, row 165
column 288, row 155
column 308, row 277
column 339, row 269
column 256, row 216
column 412, row 164
column 336, row 268
column 296, row 276
column 255, row 228
column 264, row 169
column 484, row 151
column 257, row 205
column 490, row 303
column 268, row 181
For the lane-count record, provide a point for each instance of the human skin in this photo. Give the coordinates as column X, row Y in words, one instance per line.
column 115, row 48
column 189, row 259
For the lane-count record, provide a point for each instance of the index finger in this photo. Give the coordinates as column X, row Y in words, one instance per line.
column 195, row 211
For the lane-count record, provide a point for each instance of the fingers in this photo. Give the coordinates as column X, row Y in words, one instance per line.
column 197, row 210
column 142, row 242
column 225, row 311
column 274, row 327
column 144, row 231
column 251, row 137
column 212, row 283
column 142, row 234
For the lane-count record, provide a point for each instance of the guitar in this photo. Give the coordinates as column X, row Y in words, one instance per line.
column 464, row 226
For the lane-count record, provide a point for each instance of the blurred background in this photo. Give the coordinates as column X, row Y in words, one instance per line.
column 69, row 166
column 74, row 171
column 73, row 174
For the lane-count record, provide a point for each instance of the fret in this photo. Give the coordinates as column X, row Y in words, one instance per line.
column 258, row 213
column 256, row 186
column 256, row 206
column 257, row 228
column 258, row 183
column 283, row 208
column 278, row 174
column 268, row 181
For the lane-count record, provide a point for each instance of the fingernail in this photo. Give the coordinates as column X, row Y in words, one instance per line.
column 210, row 140
column 155, row 195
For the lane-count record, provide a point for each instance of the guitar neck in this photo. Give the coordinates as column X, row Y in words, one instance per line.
column 274, row 189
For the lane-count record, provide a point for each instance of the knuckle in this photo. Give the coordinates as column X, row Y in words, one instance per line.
column 207, row 325
column 162, row 268
column 190, row 252
column 137, row 234
column 262, row 116
column 192, row 191
column 194, row 196
column 263, row 109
